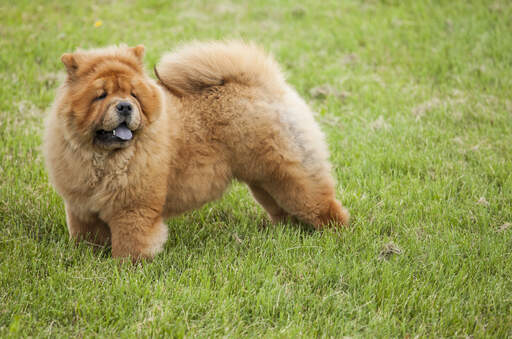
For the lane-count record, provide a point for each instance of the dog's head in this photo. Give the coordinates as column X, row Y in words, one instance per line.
column 110, row 99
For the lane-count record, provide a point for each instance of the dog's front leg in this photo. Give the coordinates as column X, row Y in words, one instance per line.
column 87, row 227
column 137, row 233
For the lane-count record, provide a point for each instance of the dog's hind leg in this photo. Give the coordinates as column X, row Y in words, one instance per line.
column 310, row 198
column 275, row 212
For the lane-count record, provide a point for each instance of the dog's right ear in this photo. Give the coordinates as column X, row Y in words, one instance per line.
column 69, row 61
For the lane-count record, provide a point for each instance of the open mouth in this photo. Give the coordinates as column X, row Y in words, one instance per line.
column 119, row 134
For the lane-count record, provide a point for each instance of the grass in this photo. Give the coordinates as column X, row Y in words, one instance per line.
column 414, row 97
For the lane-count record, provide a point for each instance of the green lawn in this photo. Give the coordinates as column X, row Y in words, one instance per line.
column 416, row 100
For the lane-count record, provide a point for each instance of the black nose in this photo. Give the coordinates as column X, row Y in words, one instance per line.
column 124, row 108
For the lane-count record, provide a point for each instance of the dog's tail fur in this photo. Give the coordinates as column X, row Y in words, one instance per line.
column 200, row 65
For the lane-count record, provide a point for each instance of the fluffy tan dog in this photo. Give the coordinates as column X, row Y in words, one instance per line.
column 125, row 151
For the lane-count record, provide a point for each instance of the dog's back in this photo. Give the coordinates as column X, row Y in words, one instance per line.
column 243, row 120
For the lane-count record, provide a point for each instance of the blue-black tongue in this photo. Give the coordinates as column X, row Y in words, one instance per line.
column 123, row 132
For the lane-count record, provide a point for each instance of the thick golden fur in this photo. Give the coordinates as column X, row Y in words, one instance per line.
column 219, row 111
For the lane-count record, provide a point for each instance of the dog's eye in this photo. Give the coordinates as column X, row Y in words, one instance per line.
column 133, row 95
column 102, row 96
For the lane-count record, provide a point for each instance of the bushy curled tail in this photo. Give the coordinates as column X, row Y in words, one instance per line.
column 197, row 66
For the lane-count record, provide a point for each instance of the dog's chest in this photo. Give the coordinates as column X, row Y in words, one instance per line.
column 107, row 181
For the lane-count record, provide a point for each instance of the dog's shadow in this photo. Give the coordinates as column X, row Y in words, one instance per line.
column 223, row 225
column 194, row 232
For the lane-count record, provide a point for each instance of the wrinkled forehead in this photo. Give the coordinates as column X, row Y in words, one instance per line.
column 112, row 83
column 113, row 78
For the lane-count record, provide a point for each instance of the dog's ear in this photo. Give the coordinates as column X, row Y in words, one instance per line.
column 138, row 51
column 69, row 61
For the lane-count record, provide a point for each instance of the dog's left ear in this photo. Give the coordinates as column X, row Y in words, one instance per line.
column 138, row 51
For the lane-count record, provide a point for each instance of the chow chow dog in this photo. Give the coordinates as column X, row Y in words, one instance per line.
column 125, row 151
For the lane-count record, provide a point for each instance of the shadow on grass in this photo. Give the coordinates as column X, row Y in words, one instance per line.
column 194, row 233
